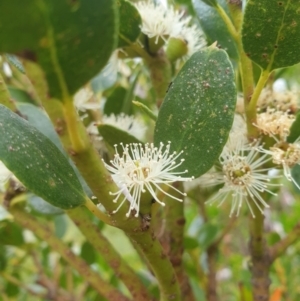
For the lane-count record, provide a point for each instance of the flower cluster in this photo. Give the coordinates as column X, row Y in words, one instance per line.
column 144, row 168
column 162, row 22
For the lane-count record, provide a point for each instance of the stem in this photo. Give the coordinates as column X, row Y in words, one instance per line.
column 232, row 30
column 95, row 210
column 44, row 232
column 159, row 262
column 260, row 258
column 160, row 74
column 73, row 125
column 82, row 220
column 20, row 284
column 172, row 241
column 211, row 281
column 280, row 247
column 100, row 181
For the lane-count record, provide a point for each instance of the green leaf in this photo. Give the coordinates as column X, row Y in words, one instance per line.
column 197, row 112
column 42, row 207
column 71, row 40
column 11, row 234
column 295, row 130
column 15, row 62
column 38, row 118
column 207, row 234
column 37, row 162
column 113, row 136
column 214, row 27
column 115, row 101
column 210, row 2
column 130, row 21
column 19, row 95
column 271, row 33
column 88, row 253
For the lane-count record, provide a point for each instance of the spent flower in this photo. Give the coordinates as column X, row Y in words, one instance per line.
column 144, row 168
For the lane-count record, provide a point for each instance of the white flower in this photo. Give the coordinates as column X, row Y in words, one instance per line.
column 82, row 100
column 144, row 167
column 287, row 155
column 158, row 21
column 163, row 22
column 275, row 123
column 126, row 123
column 244, row 178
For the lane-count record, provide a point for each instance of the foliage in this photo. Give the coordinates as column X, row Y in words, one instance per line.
column 147, row 150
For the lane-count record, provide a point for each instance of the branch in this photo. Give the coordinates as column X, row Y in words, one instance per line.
column 172, row 241
column 280, row 247
column 260, row 259
column 45, row 233
column 82, row 220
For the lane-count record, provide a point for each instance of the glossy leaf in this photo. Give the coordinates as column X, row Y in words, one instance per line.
column 214, row 27
column 130, row 21
column 271, row 32
column 37, row 162
column 71, row 40
column 197, row 112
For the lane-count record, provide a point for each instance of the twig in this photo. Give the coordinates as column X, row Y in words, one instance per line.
column 46, row 234
column 280, row 247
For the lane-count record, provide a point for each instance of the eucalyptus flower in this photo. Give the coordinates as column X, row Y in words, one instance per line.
column 244, row 177
column 144, row 168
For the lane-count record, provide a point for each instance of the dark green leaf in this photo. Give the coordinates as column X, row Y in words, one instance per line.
column 197, row 113
column 115, row 101
column 190, row 243
column 11, row 234
column 271, row 32
column 295, row 130
column 113, row 136
column 130, row 21
column 15, row 62
column 19, row 95
column 71, row 40
column 37, row 162
column 88, row 253
column 37, row 117
column 214, row 27
column 207, row 234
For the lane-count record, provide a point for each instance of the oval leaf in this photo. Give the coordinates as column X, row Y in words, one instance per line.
column 37, row 162
column 271, row 32
column 197, row 113
column 72, row 40
column 130, row 21
column 114, row 136
column 214, row 27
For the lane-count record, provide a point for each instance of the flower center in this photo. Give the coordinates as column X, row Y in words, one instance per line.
column 237, row 171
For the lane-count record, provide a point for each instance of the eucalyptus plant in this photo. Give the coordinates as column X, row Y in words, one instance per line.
column 148, row 151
